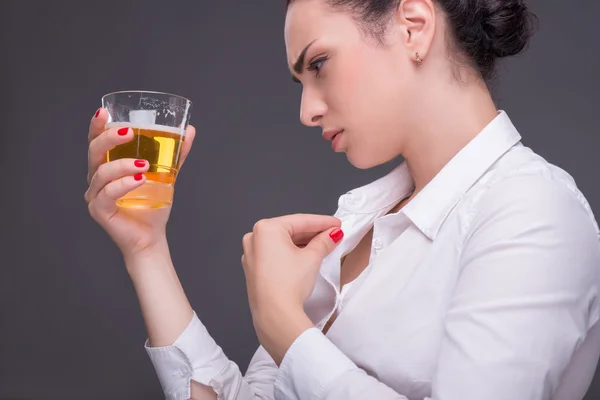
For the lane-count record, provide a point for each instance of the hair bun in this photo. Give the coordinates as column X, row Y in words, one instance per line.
column 507, row 26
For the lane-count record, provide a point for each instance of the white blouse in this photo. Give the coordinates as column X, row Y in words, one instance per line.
column 484, row 286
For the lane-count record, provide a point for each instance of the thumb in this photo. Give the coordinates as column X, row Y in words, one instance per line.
column 325, row 242
column 190, row 134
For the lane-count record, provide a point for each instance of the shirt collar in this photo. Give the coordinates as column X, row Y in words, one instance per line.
column 433, row 203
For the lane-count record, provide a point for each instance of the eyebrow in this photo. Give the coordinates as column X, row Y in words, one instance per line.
column 299, row 64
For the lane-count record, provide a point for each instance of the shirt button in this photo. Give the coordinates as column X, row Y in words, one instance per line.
column 351, row 198
column 377, row 244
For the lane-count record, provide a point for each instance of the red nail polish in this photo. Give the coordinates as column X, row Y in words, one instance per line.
column 140, row 163
column 97, row 113
column 336, row 235
column 123, row 131
column 138, row 177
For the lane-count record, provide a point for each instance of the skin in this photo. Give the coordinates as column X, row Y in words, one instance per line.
column 388, row 105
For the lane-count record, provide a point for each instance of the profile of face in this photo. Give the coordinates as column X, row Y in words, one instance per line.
column 380, row 71
column 351, row 82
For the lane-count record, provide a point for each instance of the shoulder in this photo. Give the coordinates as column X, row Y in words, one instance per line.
column 522, row 188
column 528, row 222
column 530, row 212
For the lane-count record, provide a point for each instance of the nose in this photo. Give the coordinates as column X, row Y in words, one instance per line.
column 312, row 107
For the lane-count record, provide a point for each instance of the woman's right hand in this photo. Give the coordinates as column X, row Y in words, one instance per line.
column 133, row 230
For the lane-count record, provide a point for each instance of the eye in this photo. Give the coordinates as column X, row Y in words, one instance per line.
column 317, row 64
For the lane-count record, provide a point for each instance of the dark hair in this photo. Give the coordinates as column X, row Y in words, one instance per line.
column 482, row 30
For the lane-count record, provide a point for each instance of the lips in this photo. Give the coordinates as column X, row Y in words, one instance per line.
column 335, row 143
column 332, row 133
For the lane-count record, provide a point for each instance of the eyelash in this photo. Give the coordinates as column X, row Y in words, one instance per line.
column 317, row 65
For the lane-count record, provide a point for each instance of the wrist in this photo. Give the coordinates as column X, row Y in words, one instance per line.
column 279, row 330
column 156, row 255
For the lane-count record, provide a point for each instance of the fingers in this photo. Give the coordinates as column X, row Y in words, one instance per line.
column 302, row 239
column 325, row 242
column 299, row 224
column 190, row 134
column 247, row 247
column 112, row 171
column 97, row 124
column 104, row 142
column 247, row 242
column 106, row 199
column 316, row 235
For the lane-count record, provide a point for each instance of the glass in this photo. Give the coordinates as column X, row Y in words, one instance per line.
column 159, row 121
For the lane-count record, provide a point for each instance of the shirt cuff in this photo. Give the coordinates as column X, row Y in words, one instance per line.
column 310, row 366
column 194, row 355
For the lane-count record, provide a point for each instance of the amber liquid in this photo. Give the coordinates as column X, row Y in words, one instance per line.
column 161, row 147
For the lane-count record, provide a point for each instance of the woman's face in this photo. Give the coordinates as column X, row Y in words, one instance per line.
column 350, row 82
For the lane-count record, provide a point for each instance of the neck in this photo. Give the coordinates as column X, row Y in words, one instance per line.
column 452, row 118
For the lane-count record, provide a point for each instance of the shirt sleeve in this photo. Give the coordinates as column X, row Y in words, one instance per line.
column 524, row 302
column 196, row 356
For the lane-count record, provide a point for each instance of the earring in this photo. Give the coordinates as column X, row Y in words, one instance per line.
column 419, row 61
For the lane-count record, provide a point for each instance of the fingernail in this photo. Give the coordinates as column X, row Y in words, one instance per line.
column 140, row 163
column 336, row 235
column 97, row 113
column 138, row 177
column 123, row 131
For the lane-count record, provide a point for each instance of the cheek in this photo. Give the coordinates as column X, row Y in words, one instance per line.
column 367, row 92
column 379, row 98
column 355, row 88
column 378, row 103
column 343, row 88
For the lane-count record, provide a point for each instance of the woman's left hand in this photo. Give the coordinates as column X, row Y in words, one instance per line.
column 282, row 258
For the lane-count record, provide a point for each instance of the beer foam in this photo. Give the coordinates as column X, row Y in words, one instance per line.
column 142, row 116
column 152, row 127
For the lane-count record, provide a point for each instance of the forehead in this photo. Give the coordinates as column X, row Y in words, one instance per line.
column 309, row 20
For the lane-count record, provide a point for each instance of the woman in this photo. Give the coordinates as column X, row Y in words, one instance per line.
column 471, row 271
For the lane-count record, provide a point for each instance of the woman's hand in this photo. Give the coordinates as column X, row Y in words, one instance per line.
column 132, row 230
column 282, row 258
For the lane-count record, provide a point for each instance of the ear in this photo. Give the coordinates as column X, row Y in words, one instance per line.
column 418, row 21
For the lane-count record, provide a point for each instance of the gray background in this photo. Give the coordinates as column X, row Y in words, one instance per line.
column 70, row 326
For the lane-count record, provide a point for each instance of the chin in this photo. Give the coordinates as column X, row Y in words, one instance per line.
column 364, row 161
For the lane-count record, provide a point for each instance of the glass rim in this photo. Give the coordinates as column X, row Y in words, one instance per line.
column 147, row 91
